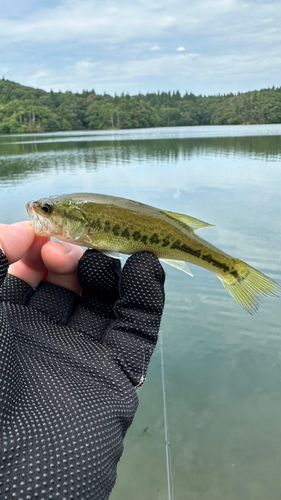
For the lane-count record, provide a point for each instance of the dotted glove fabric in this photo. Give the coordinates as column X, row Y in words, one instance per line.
column 69, row 368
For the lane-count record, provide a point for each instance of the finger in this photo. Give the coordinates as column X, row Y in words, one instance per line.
column 16, row 239
column 99, row 276
column 54, row 302
column 133, row 336
column 31, row 268
column 4, row 264
column 16, row 291
column 19, row 244
column 61, row 261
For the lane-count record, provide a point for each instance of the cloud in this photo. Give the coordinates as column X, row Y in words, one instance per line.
column 223, row 46
column 152, row 71
column 169, row 69
column 91, row 21
column 87, row 20
column 182, row 65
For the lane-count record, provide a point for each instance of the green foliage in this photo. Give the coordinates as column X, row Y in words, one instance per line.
column 25, row 109
column 28, row 116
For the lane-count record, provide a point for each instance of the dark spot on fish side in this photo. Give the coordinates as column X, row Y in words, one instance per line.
column 192, row 251
column 144, row 239
column 136, row 235
column 154, row 239
column 165, row 242
column 96, row 224
column 187, row 249
column 176, row 245
column 116, row 229
column 237, row 276
column 126, row 234
column 198, row 253
column 107, row 226
column 208, row 258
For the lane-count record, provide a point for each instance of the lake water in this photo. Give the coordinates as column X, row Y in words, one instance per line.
column 222, row 366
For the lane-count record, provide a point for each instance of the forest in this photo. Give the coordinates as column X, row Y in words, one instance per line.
column 26, row 109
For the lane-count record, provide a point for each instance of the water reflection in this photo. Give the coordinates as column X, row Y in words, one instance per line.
column 18, row 161
column 163, row 133
column 168, row 150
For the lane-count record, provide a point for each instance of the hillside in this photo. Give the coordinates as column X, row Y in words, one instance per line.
column 25, row 109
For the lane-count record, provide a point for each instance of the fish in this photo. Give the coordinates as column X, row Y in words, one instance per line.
column 111, row 224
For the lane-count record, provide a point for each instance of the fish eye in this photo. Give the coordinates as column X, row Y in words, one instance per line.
column 47, row 208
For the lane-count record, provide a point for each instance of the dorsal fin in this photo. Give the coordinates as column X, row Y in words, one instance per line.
column 189, row 223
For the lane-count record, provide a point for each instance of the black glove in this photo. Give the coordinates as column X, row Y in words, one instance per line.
column 69, row 371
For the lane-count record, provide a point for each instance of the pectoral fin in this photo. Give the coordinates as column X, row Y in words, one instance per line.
column 178, row 264
column 187, row 222
column 75, row 230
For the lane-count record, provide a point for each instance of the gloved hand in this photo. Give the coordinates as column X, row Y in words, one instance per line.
column 69, row 369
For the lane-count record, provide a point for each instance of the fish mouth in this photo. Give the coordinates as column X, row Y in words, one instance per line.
column 37, row 222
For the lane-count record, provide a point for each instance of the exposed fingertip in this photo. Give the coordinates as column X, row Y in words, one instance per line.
column 61, row 257
column 61, row 260
column 16, row 239
column 24, row 224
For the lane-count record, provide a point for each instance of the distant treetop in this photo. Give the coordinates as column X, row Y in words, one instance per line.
column 26, row 109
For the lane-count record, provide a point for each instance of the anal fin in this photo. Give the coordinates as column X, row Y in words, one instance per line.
column 178, row 264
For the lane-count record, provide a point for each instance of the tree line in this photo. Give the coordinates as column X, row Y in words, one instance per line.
column 26, row 109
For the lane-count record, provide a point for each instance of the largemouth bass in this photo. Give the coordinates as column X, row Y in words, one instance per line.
column 109, row 224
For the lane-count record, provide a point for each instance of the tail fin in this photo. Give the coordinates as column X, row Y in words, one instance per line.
column 246, row 284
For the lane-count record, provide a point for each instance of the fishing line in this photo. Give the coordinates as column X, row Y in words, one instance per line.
column 167, row 443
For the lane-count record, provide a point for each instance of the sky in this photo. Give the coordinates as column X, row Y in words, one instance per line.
column 200, row 46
